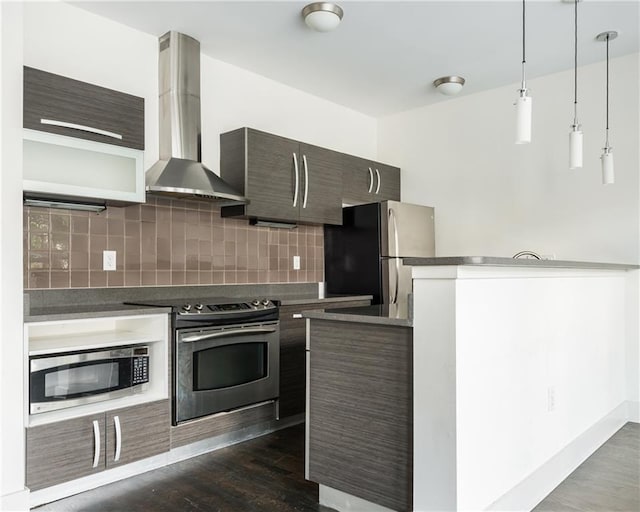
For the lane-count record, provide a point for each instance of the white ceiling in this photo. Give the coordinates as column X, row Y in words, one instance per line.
column 384, row 55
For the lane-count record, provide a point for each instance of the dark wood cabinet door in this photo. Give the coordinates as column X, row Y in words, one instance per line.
column 360, row 399
column 389, row 180
column 143, row 432
column 65, row 450
column 271, row 176
column 51, row 102
column 321, row 185
column 358, row 182
column 292, row 353
column 365, row 181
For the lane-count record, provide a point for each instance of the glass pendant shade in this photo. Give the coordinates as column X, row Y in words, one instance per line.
column 608, row 177
column 523, row 118
column 575, row 147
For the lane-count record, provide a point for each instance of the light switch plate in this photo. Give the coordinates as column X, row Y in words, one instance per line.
column 108, row 260
column 296, row 263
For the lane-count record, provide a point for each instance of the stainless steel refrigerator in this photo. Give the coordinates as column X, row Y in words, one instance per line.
column 364, row 255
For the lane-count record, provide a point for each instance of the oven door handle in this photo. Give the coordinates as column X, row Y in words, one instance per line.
column 224, row 334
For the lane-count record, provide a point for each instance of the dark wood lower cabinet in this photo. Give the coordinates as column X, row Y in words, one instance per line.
column 63, row 451
column 66, row 450
column 361, row 411
column 144, row 432
column 292, row 353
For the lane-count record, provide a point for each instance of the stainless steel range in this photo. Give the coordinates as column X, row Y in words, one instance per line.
column 226, row 354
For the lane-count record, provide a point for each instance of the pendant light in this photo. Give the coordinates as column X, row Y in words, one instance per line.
column 606, row 158
column 575, row 135
column 523, row 103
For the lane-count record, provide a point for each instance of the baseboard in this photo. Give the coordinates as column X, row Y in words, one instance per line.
column 56, row 492
column 343, row 502
column 16, row 501
column 533, row 489
column 633, row 411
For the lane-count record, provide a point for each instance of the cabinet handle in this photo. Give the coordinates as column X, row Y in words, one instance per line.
column 370, row 180
column 378, row 187
column 306, row 181
column 116, row 424
column 296, row 315
column 81, row 127
column 297, row 185
column 96, row 443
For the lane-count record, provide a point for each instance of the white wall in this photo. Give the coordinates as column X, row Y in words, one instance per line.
column 12, row 495
column 494, row 197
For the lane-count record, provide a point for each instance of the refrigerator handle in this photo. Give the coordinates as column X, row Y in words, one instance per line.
column 297, row 184
column 392, row 217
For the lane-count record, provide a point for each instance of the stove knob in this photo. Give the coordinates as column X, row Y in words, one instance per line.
column 265, row 302
column 255, row 302
column 186, row 307
column 198, row 307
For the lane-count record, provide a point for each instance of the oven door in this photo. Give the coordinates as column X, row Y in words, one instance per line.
column 59, row 381
column 224, row 368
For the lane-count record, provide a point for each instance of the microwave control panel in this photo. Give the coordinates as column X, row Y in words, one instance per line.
column 140, row 370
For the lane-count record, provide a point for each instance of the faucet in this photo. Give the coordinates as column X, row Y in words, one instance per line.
column 527, row 254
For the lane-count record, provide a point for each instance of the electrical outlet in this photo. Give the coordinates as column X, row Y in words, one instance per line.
column 296, row 263
column 108, row 260
column 551, row 399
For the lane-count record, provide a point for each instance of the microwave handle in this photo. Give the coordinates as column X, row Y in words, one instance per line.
column 224, row 334
column 96, row 443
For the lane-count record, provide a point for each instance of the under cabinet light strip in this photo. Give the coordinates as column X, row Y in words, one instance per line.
column 90, row 129
column 44, row 203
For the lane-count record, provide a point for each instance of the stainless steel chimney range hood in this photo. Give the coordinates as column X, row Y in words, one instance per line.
column 179, row 173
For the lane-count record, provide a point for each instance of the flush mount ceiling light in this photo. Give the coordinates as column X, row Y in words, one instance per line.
column 322, row 16
column 449, row 85
column 607, row 152
column 524, row 101
column 575, row 135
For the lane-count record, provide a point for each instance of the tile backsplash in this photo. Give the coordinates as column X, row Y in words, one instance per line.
column 163, row 242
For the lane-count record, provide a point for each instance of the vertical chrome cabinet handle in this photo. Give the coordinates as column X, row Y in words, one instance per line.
column 116, row 424
column 370, row 180
column 378, row 187
column 96, row 443
column 297, row 184
column 392, row 217
column 306, row 181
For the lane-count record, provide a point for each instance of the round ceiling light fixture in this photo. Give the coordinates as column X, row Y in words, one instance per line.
column 322, row 16
column 449, row 85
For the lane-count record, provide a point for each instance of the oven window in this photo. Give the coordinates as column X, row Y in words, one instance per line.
column 81, row 379
column 229, row 365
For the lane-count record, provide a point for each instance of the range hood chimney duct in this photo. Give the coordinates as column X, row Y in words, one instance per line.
column 179, row 173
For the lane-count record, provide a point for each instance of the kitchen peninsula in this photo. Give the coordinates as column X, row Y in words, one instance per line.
column 520, row 371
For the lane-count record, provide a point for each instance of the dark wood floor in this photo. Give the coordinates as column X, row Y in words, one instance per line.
column 266, row 475
column 261, row 475
column 608, row 480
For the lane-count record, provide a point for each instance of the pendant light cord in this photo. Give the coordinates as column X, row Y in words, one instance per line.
column 575, row 64
column 607, row 138
column 524, row 60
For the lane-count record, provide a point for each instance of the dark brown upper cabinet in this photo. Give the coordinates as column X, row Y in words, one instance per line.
column 61, row 105
column 366, row 181
column 284, row 180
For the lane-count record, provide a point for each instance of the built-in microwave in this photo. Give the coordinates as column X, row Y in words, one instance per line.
column 68, row 379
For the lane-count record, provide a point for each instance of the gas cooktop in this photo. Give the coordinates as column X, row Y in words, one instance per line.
column 211, row 306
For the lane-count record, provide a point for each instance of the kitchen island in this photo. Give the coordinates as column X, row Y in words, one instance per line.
column 522, row 368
